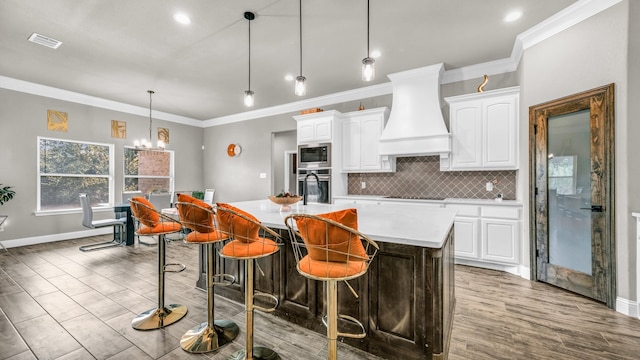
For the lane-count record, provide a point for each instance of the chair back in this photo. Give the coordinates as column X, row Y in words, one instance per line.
column 160, row 200
column 128, row 195
column 149, row 220
column 87, row 212
column 329, row 246
column 250, row 239
column 208, row 196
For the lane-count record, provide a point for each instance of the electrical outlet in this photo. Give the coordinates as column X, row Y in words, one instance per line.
column 263, row 175
column 489, row 186
column 363, row 185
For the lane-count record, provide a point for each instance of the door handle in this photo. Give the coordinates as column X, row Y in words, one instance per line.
column 594, row 208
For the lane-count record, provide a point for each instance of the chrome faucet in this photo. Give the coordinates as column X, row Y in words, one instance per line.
column 305, row 189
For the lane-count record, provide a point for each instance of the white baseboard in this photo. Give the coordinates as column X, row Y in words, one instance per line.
column 55, row 237
column 518, row 270
column 627, row 307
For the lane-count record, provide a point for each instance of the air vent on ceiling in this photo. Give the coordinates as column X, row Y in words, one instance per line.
column 45, row 41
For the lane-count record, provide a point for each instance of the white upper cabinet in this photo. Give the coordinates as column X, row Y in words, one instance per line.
column 484, row 131
column 316, row 127
column 360, row 135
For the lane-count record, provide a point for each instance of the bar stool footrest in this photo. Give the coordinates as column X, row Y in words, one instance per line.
column 223, row 279
column 352, row 320
column 181, row 269
column 268, row 296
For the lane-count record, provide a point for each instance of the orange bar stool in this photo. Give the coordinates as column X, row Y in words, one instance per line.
column 328, row 247
column 248, row 242
column 198, row 216
column 151, row 223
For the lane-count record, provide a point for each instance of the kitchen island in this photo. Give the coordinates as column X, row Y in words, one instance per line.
column 406, row 299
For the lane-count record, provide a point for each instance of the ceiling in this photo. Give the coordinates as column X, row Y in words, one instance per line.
column 119, row 49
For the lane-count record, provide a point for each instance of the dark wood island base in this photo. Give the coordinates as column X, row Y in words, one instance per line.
column 405, row 301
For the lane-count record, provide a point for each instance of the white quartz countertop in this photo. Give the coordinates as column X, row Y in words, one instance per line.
column 398, row 224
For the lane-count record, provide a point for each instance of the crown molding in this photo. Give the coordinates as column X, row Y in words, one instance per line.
column 78, row 98
column 563, row 20
column 335, row 98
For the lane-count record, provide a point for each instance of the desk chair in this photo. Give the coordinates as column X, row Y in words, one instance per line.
column 208, row 196
column 329, row 248
column 88, row 222
column 248, row 242
column 154, row 223
column 160, row 200
column 126, row 196
column 198, row 217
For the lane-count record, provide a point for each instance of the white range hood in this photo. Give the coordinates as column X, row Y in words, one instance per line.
column 416, row 126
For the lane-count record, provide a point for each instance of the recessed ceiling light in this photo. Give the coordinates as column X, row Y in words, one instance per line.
column 513, row 16
column 289, row 77
column 376, row 54
column 182, row 18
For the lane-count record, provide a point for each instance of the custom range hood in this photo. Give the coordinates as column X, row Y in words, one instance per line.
column 416, row 126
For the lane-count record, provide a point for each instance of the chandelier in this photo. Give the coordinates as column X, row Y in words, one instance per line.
column 143, row 144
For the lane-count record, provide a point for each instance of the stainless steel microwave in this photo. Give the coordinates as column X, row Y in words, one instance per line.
column 311, row 156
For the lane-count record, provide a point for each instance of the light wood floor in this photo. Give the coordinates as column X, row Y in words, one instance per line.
column 59, row 303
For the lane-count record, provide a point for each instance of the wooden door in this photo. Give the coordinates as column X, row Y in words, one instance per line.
column 571, row 150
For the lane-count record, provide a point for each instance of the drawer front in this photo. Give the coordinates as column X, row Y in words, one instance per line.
column 501, row 212
column 465, row 210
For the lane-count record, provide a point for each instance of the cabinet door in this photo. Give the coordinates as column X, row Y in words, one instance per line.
column 466, row 237
column 305, row 131
column 351, row 145
column 370, row 129
column 499, row 133
column 322, row 129
column 500, row 242
column 466, row 143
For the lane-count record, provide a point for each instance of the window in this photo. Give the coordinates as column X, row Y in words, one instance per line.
column 148, row 170
column 562, row 174
column 67, row 168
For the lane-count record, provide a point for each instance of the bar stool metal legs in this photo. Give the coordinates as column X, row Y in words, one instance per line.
column 251, row 352
column 162, row 315
column 213, row 334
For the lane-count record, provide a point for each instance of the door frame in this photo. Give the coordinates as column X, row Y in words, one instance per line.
column 601, row 100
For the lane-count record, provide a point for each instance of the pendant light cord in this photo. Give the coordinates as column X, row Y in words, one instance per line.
column 368, row 53
column 150, row 125
column 300, row 37
column 249, row 54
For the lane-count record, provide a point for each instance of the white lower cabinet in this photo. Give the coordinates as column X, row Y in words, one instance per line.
column 487, row 233
column 466, row 237
column 500, row 240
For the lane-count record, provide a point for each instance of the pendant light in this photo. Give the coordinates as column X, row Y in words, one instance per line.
column 368, row 63
column 301, row 85
column 248, row 94
column 143, row 144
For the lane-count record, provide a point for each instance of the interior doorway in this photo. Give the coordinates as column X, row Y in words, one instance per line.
column 282, row 143
column 571, row 149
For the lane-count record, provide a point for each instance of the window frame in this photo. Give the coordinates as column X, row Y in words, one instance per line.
column 110, row 177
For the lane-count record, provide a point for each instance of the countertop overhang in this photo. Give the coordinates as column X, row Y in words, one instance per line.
column 396, row 224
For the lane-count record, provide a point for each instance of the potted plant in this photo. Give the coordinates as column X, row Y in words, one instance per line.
column 6, row 194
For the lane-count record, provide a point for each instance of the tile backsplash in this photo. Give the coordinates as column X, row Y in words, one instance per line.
column 420, row 177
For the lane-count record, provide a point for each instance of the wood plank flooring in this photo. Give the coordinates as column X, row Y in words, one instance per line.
column 59, row 303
